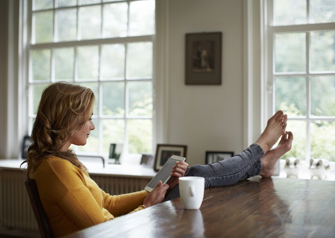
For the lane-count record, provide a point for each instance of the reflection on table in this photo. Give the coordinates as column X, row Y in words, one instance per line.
column 254, row 208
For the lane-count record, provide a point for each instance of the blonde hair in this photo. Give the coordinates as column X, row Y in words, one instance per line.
column 63, row 110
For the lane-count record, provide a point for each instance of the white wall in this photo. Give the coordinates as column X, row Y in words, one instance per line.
column 206, row 117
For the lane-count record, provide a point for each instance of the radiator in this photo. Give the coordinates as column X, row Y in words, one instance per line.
column 16, row 211
column 15, row 208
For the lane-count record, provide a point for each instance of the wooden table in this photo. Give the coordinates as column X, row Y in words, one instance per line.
column 254, row 208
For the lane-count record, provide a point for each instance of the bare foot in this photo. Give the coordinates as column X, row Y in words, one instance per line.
column 274, row 129
column 270, row 158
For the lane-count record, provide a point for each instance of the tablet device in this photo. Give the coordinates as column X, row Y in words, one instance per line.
column 164, row 173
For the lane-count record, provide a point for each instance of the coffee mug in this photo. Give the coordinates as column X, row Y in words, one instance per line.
column 191, row 191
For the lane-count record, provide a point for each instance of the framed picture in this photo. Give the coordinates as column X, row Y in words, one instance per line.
column 203, row 58
column 147, row 160
column 115, row 151
column 25, row 145
column 165, row 151
column 111, row 150
column 215, row 156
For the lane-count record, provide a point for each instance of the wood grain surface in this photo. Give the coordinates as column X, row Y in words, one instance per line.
column 254, row 208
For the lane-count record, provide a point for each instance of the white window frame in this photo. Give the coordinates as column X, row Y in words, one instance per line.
column 268, row 65
column 158, row 76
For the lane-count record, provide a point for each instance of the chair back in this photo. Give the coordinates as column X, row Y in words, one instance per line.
column 36, row 204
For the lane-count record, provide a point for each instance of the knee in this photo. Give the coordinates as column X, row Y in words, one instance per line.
column 195, row 170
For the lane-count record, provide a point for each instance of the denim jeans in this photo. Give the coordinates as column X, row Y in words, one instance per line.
column 228, row 171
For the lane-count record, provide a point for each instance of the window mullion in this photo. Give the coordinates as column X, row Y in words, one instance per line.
column 308, row 98
column 126, row 106
column 100, row 120
column 78, row 23
column 308, row 121
column 308, row 11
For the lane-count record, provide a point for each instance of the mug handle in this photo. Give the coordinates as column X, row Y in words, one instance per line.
column 192, row 190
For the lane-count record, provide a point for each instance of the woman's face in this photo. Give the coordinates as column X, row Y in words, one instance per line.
column 80, row 137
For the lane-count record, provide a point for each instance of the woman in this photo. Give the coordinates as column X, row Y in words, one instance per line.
column 73, row 201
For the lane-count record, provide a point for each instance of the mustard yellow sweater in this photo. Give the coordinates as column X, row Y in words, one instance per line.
column 73, row 201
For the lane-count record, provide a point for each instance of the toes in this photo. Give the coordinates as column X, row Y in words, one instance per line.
column 290, row 135
column 283, row 139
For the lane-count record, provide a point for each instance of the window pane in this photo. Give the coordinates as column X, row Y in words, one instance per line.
column 139, row 60
column 67, row 25
column 95, row 88
column 322, row 11
column 112, row 61
column 90, row 22
column 142, row 18
column 35, row 96
column 322, row 140
column 43, row 26
column 113, row 132
column 140, row 136
column 82, row 2
column 323, row 51
column 115, row 20
column 92, row 145
column 298, row 150
column 290, row 52
column 66, row 3
column 140, row 98
column 42, row 4
column 288, row 12
column 113, row 99
column 40, row 62
column 290, row 95
column 323, row 97
column 88, row 62
column 64, row 64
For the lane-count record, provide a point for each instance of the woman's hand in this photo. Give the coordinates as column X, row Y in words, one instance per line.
column 178, row 171
column 156, row 196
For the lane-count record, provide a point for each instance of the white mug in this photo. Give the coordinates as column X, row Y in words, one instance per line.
column 191, row 191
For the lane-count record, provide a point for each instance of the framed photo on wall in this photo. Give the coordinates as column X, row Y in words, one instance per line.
column 203, row 58
column 165, row 151
column 215, row 156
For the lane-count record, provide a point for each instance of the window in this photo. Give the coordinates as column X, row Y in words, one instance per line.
column 105, row 45
column 301, row 73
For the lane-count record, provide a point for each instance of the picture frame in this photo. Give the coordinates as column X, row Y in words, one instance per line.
column 216, row 156
column 165, row 151
column 111, row 150
column 115, row 151
column 147, row 160
column 25, row 146
column 203, row 58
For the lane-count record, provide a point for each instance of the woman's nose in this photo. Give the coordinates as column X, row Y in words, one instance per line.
column 92, row 126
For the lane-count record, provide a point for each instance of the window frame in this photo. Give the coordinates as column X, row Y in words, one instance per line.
column 27, row 28
column 268, row 64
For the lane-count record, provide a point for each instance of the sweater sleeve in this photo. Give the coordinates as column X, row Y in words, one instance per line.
column 123, row 204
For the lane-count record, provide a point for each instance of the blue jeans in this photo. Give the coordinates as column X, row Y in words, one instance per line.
column 228, row 171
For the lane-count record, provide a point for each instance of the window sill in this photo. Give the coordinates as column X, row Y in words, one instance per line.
column 305, row 173
column 94, row 168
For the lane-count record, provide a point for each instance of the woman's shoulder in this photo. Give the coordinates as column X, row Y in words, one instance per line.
column 57, row 165
column 54, row 161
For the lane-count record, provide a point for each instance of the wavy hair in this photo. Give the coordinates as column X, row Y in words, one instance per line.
column 63, row 110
